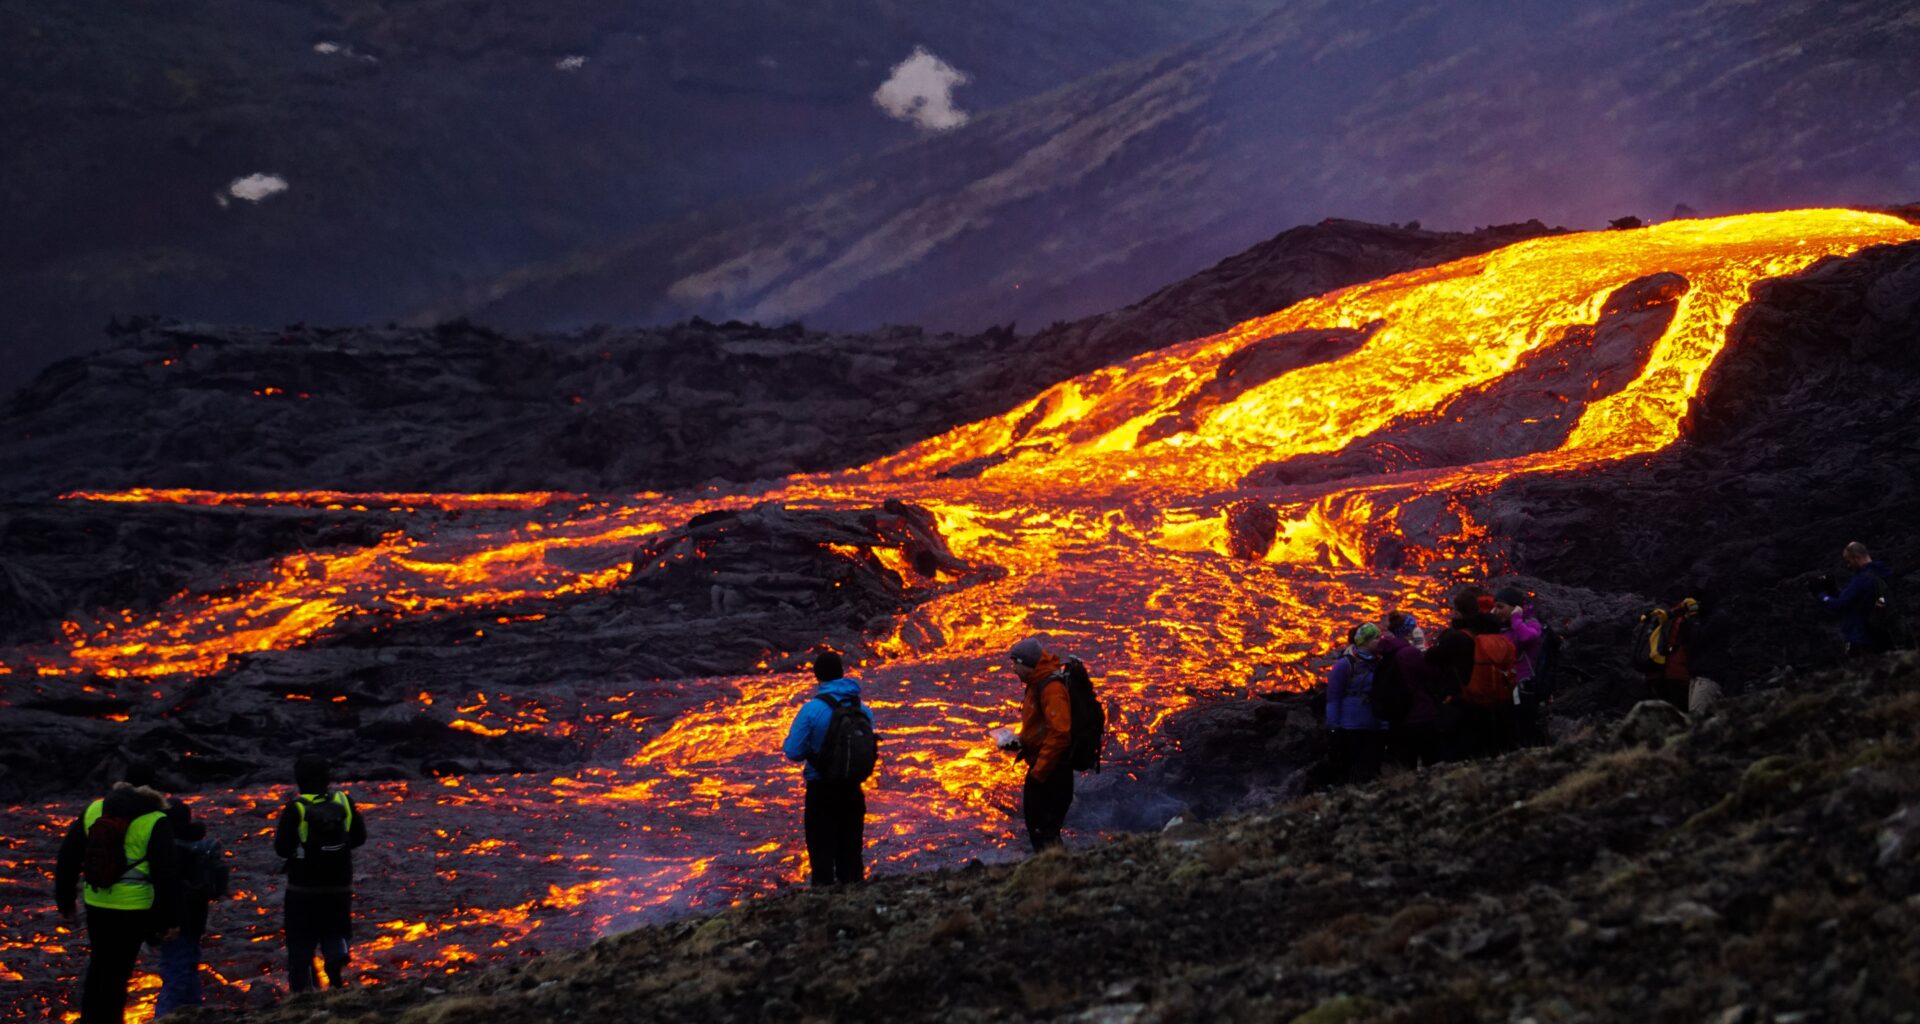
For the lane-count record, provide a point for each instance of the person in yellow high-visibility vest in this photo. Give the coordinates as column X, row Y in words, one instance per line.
column 140, row 902
column 318, row 832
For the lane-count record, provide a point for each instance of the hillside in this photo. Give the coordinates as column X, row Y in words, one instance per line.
column 1081, row 198
column 427, row 146
column 1760, row 865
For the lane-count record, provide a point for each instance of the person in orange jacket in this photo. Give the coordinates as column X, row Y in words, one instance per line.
column 1046, row 735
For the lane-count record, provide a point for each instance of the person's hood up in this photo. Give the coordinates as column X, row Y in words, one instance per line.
column 845, row 686
column 132, row 801
column 1048, row 664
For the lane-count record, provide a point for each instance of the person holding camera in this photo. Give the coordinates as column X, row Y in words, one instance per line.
column 1864, row 606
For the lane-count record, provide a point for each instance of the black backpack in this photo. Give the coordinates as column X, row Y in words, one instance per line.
column 326, row 820
column 1541, row 684
column 104, row 860
column 851, row 748
column 1390, row 699
column 1089, row 718
column 1884, row 627
column 204, row 872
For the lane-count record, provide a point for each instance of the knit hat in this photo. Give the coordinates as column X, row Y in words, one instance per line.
column 1027, row 652
column 1402, row 624
column 827, row 666
column 1365, row 633
column 1511, row 595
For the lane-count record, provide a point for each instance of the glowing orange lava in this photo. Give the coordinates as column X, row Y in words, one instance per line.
column 1107, row 499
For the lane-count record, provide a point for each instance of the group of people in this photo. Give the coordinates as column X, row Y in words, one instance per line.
column 146, row 873
column 1477, row 687
column 1061, row 731
column 1481, row 686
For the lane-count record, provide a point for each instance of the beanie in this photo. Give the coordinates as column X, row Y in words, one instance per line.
column 1027, row 652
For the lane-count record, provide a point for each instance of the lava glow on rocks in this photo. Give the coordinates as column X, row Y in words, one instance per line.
column 1110, row 500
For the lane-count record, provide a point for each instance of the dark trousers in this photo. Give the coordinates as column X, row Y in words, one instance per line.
column 1353, row 755
column 114, row 938
column 1045, row 804
column 836, row 823
column 317, row 922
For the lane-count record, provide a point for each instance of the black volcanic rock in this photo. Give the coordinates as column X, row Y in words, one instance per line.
column 729, row 594
column 1802, row 438
column 463, row 407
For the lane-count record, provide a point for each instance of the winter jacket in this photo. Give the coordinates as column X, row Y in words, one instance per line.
column 1854, row 601
column 1349, row 686
column 1526, row 633
column 319, row 872
column 1046, row 719
column 1419, row 679
column 124, row 802
column 189, row 844
column 809, row 732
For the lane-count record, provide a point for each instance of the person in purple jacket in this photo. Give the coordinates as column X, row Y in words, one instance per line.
column 1357, row 737
column 1515, row 608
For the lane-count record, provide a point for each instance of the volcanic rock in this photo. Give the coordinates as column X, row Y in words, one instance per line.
column 1799, row 441
column 729, row 594
column 464, row 408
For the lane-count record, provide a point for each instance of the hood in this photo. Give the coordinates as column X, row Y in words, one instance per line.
column 1048, row 664
column 845, row 686
column 132, row 801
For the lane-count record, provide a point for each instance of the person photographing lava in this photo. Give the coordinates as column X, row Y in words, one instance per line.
column 1046, row 737
column 833, row 733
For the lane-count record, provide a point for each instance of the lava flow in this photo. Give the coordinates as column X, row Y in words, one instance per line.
column 1118, row 505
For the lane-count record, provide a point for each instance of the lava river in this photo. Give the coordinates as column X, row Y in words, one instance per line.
column 1115, row 502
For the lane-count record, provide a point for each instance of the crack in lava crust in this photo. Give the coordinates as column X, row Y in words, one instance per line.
column 1115, row 539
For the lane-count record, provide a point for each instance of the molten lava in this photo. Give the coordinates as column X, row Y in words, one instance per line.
column 1111, row 500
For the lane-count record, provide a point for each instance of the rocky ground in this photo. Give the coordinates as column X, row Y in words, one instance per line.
column 1762, row 864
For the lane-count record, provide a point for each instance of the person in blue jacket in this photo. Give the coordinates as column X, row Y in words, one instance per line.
column 1855, row 603
column 836, row 810
column 1357, row 737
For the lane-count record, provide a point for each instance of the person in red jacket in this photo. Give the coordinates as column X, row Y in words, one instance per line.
column 1046, row 735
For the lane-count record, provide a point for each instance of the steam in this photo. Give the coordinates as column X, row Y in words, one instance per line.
column 921, row 91
column 571, row 62
column 255, row 187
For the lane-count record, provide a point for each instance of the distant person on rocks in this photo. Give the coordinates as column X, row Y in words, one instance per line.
column 117, row 858
column 1523, row 627
column 1865, row 606
column 1045, row 741
column 203, row 875
column 1475, row 653
column 319, row 830
column 1412, row 695
column 1670, row 675
column 833, row 733
column 1356, row 736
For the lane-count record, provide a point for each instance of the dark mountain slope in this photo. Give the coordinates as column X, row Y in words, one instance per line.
column 429, row 145
column 1078, row 199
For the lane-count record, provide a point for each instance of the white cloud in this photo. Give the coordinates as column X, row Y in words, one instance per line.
column 255, row 187
column 571, row 62
column 921, row 91
column 327, row 48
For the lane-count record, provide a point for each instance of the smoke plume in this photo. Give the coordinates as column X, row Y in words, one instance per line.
column 921, row 91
